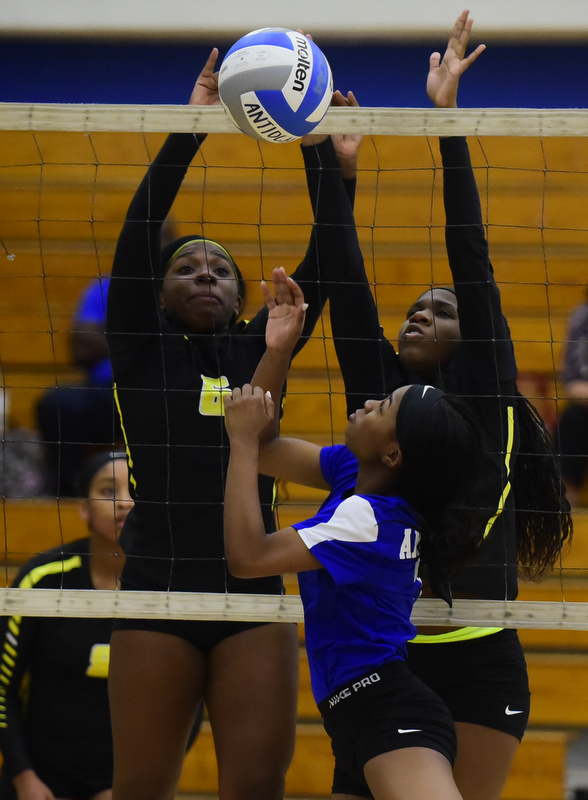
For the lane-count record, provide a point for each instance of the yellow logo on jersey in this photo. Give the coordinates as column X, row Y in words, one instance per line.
column 99, row 661
column 211, row 398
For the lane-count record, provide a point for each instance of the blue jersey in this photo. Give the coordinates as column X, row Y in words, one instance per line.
column 357, row 609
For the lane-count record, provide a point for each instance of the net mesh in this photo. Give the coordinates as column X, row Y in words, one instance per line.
column 67, row 174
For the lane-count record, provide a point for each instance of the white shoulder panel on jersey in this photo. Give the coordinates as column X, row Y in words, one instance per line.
column 353, row 521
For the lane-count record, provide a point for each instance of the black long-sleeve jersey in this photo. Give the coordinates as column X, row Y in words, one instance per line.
column 169, row 389
column 60, row 724
column 482, row 370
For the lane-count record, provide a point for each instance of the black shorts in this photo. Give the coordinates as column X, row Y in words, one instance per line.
column 384, row 710
column 201, row 635
column 482, row 681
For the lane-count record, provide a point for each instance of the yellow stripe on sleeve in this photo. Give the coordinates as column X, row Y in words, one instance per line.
column 507, row 488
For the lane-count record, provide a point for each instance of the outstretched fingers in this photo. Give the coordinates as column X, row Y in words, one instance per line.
column 205, row 92
column 208, row 68
column 287, row 291
column 458, row 41
column 268, row 297
column 472, row 57
column 434, row 61
column 339, row 99
column 444, row 73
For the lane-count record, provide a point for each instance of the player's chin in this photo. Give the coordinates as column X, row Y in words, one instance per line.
column 213, row 319
column 418, row 355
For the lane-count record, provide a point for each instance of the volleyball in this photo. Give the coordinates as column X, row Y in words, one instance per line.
column 275, row 84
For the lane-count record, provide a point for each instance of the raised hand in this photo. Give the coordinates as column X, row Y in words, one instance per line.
column 346, row 144
column 248, row 411
column 444, row 74
column 205, row 91
column 286, row 312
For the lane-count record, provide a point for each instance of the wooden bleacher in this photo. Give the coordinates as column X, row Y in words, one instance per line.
column 64, row 197
column 63, row 200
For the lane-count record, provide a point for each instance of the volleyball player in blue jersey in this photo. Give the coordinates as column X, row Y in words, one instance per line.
column 457, row 338
column 406, row 459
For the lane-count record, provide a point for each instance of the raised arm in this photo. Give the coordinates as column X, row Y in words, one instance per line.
column 342, row 181
column 133, row 297
column 285, row 323
column 364, row 354
column 484, row 329
column 287, row 459
column 249, row 550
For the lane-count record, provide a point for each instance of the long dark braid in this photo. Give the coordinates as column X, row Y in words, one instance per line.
column 440, row 463
column 543, row 519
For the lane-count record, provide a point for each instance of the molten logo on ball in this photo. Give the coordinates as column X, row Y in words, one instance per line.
column 275, row 85
column 304, row 65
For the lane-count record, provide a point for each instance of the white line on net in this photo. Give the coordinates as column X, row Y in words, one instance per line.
column 370, row 121
column 276, row 608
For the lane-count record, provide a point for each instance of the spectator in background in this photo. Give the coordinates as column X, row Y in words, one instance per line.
column 54, row 716
column 76, row 422
column 572, row 432
column 21, row 460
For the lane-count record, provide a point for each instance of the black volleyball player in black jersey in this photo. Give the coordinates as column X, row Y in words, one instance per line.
column 56, row 739
column 176, row 344
column 457, row 339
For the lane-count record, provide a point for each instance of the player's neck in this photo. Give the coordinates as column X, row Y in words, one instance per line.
column 377, row 480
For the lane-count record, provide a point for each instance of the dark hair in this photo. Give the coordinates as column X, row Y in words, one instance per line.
column 543, row 519
column 86, row 474
column 168, row 250
column 441, row 458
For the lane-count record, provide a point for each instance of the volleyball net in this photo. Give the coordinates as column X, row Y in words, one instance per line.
column 67, row 175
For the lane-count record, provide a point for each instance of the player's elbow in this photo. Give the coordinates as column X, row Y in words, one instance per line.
column 241, row 565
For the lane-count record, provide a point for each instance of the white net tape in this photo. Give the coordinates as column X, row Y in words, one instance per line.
column 369, row 121
column 269, row 608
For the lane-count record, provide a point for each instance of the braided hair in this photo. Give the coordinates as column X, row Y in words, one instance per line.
column 543, row 519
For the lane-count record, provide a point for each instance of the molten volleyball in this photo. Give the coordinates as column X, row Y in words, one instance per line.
column 275, row 84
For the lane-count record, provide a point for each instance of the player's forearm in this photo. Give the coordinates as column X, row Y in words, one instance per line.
column 138, row 243
column 244, row 529
column 272, row 370
column 157, row 192
column 271, row 375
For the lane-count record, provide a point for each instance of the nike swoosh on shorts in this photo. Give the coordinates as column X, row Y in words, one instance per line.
column 508, row 712
column 409, row 730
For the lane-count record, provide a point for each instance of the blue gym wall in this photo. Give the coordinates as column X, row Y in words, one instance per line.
column 53, row 71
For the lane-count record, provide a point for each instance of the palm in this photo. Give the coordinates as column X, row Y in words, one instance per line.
column 285, row 313
column 442, row 84
column 346, row 144
column 282, row 325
